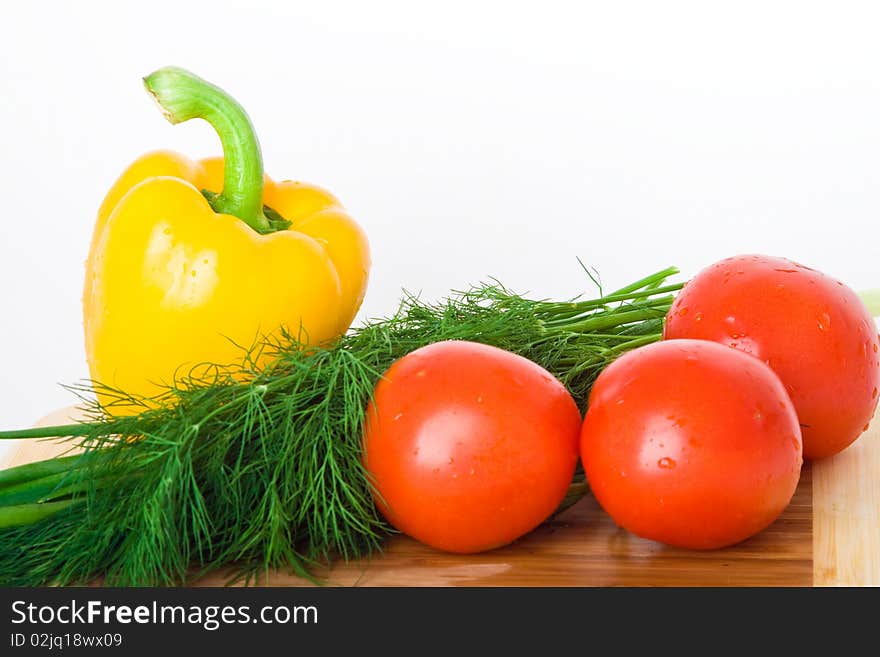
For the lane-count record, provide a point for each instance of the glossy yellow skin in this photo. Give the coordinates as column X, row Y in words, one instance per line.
column 170, row 284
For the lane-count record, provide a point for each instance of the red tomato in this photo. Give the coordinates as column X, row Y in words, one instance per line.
column 690, row 443
column 812, row 330
column 469, row 446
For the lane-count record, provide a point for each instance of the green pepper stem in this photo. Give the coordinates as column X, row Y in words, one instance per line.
column 183, row 96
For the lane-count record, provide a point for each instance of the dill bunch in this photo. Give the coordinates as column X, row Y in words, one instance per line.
column 259, row 467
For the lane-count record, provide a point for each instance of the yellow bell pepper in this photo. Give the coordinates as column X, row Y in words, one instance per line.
column 193, row 262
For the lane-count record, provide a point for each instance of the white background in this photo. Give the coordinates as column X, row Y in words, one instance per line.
column 469, row 139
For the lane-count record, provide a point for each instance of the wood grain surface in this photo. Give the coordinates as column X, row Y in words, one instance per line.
column 829, row 535
column 846, row 515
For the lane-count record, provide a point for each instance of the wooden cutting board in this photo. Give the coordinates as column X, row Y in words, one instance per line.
column 828, row 536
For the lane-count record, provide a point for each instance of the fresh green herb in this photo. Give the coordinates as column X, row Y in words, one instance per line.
column 260, row 467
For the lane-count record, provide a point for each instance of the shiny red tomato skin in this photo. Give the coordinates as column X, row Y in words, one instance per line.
column 691, row 443
column 812, row 330
column 469, row 446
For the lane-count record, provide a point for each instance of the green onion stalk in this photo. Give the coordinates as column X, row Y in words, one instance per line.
column 259, row 467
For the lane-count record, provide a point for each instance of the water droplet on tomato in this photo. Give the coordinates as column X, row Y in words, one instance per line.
column 620, row 401
column 479, row 400
column 824, row 321
column 795, row 443
column 398, row 416
column 666, row 463
column 874, row 393
column 682, row 312
column 865, row 428
column 698, row 317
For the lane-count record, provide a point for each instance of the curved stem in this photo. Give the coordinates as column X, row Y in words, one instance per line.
column 183, row 96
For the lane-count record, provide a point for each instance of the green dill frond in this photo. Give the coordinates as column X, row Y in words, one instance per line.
column 260, row 468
